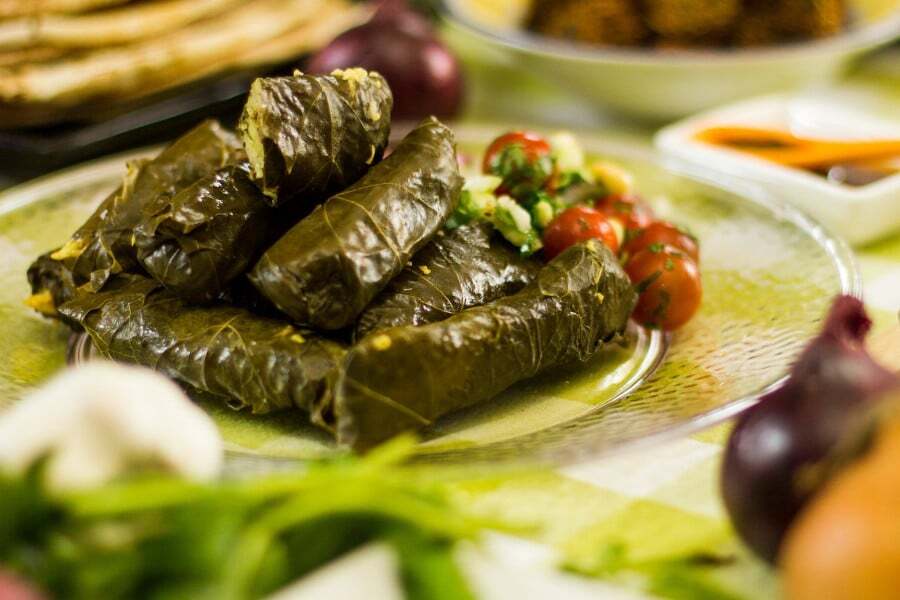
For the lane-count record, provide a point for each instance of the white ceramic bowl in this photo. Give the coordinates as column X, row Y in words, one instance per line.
column 859, row 214
column 665, row 85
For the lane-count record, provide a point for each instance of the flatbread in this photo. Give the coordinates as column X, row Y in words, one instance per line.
column 306, row 38
column 23, row 8
column 191, row 51
column 90, row 85
column 22, row 56
column 124, row 25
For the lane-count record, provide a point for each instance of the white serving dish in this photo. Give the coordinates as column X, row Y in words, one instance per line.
column 667, row 85
column 859, row 214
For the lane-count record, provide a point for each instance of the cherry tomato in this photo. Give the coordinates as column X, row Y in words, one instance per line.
column 660, row 232
column 533, row 145
column 577, row 224
column 631, row 211
column 669, row 286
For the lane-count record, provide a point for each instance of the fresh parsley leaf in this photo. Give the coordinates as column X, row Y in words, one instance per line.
column 569, row 179
column 522, row 174
column 428, row 568
column 165, row 538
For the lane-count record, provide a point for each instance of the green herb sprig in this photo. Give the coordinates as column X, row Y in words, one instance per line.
column 165, row 538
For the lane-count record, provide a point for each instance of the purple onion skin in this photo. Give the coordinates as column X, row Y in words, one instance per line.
column 425, row 77
column 768, row 472
column 398, row 14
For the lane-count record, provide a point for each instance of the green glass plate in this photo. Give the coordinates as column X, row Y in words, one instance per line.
column 769, row 275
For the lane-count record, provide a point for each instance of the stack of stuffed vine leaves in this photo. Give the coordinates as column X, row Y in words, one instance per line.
column 244, row 266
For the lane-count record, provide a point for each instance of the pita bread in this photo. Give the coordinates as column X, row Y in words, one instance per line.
column 107, row 28
column 24, row 8
column 94, row 84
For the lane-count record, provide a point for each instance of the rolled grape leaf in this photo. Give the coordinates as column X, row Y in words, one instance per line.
column 330, row 265
column 242, row 294
column 310, row 136
column 468, row 266
column 247, row 360
column 199, row 240
column 85, row 260
column 103, row 246
column 52, row 283
column 406, row 377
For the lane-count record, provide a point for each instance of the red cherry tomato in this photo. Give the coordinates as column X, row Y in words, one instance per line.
column 669, row 286
column 533, row 145
column 577, row 224
column 631, row 211
column 664, row 234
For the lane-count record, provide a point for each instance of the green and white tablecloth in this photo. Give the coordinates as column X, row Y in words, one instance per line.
column 661, row 503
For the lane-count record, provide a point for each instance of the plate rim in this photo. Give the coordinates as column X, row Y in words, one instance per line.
column 26, row 192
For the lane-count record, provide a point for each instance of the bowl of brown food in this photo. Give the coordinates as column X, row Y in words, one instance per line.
column 664, row 59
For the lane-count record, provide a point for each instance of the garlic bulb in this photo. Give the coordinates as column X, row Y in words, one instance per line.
column 101, row 420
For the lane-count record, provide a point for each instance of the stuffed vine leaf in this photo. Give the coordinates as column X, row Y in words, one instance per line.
column 330, row 265
column 310, row 136
column 248, row 360
column 103, row 246
column 199, row 240
column 88, row 258
column 52, row 283
column 406, row 377
column 468, row 266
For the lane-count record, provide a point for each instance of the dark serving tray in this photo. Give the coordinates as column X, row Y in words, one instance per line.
column 31, row 152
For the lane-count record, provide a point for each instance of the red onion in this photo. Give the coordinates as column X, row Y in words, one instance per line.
column 770, row 466
column 424, row 76
column 398, row 14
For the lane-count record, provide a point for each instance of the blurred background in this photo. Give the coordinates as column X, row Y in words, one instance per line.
column 84, row 78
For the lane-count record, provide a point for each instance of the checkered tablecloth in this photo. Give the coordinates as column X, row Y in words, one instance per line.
column 657, row 504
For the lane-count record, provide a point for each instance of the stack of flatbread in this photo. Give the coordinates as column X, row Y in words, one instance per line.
column 71, row 59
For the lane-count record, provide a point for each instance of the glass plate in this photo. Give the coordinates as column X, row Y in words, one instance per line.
column 769, row 276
